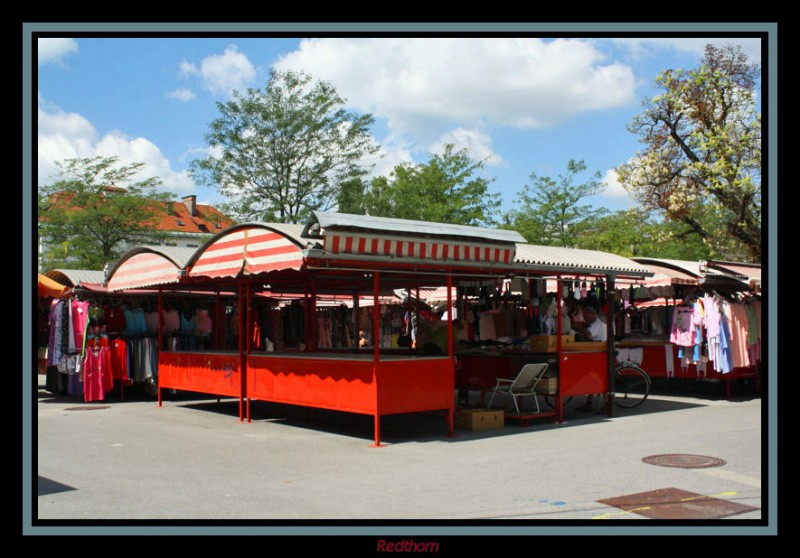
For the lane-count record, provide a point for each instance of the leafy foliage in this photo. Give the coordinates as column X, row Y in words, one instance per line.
column 284, row 151
column 551, row 212
column 701, row 165
column 446, row 189
column 93, row 208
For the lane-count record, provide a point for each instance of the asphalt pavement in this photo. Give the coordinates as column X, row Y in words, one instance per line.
column 193, row 459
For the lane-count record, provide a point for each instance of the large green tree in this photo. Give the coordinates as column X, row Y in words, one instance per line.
column 93, row 207
column 280, row 152
column 448, row 188
column 553, row 212
column 636, row 232
column 701, row 165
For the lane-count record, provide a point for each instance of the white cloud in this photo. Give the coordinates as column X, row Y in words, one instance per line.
column 478, row 144
column 640, row 47
column 222, row 73
column 613, row 185
column 424, row 86
column 394, row 151
column 54, row 50
column 63, row 135
column 184, row 95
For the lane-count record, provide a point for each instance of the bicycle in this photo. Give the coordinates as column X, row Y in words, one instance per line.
column 631, row 386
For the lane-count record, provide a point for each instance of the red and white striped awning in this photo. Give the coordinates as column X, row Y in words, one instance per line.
column 142, row 270
column 365, row 244
column 250, row 250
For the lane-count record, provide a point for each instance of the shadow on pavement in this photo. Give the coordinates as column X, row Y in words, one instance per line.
column 46, row 486
column 417, row 427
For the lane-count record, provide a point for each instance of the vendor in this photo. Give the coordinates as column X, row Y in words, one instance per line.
column 594, row 328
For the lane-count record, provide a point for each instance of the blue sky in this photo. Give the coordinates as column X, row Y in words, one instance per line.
column 523, row 104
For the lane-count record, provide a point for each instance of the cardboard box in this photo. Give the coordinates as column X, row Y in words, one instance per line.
column 479, row 419
column 549, row 343
column 547, row 386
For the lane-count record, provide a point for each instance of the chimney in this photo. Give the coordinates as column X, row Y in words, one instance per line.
column 191, row 204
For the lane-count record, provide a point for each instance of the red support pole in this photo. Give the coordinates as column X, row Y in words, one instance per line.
column 248, row 342
column 560, row 350
column 158, row 341
column 610, row 286
column 376, row 353
column 242, row 359
column 451, row 407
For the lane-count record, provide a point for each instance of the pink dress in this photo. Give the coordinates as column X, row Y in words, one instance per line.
column 94, row 369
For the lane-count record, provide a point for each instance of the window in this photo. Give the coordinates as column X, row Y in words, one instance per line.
column 192, row 245
column 218, row 225
column 180, row 222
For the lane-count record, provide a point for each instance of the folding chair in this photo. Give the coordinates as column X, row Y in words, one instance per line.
column 523, row 384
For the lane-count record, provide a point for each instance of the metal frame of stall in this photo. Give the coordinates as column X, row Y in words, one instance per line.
column 251, row 254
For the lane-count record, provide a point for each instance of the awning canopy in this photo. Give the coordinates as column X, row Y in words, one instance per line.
column 576, row 261
column 684, row 272
column 148, row 266
column 401, row 241
column 248, row 249
column 50, row 287
column 75, row 277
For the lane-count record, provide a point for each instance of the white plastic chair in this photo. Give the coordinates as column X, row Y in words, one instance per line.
column 523, row 384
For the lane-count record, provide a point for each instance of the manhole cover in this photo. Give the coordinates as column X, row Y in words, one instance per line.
column 96, row 408
column 683, row 460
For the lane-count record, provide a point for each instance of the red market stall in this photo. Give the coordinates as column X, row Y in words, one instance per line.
column 333, row 254
column 646, row 328
column 548, row 278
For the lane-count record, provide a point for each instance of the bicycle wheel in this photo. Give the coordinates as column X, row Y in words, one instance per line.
column 631, row 386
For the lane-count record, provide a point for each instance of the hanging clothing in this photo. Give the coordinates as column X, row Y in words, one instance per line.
column 119, row 359
column 96, row 365
column 683, row 330
column 172, row 322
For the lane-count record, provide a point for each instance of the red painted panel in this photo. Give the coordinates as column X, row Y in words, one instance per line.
column 415, row 385
column 344, row 385
column 216, row 374
column 582, row 373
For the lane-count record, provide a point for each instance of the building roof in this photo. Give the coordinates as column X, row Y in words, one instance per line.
column 576, row 260
column 73, row 277
column 209, row 219
column 343, row 221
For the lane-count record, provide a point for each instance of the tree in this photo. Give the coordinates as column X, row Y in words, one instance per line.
column 635, row 232
column 446, row 189
column 701, row 165
column 550, row 211
column 93, row 208
column 286, row 150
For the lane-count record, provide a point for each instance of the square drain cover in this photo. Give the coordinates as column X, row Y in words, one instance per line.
column 674, row 503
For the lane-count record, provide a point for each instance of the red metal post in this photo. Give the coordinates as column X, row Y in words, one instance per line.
column 242, row 358
column 376, row 353
column 158, row 342
column 560, row 351
column 610, row 286
column 313, row 311
column 451, row 408
column 248, row 342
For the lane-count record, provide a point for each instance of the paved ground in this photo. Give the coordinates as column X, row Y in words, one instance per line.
column 193, row 459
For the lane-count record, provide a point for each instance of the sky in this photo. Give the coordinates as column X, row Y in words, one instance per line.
column 522, row 104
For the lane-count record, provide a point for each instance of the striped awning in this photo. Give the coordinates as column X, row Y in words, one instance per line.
column 249, row 250
column 148, row 266
column 364, row 244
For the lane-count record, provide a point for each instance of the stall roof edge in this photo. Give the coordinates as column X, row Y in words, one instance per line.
column 577, row 260
column 73, row 277
column 328, row 220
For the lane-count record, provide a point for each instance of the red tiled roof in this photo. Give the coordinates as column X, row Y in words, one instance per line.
column 204, row 222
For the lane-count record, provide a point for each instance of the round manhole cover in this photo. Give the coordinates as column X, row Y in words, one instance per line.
column 95, row 408
column 683, row 460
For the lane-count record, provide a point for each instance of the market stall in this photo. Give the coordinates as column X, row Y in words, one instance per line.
column 549, row 281
column 671, row 323
column 332, row 254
